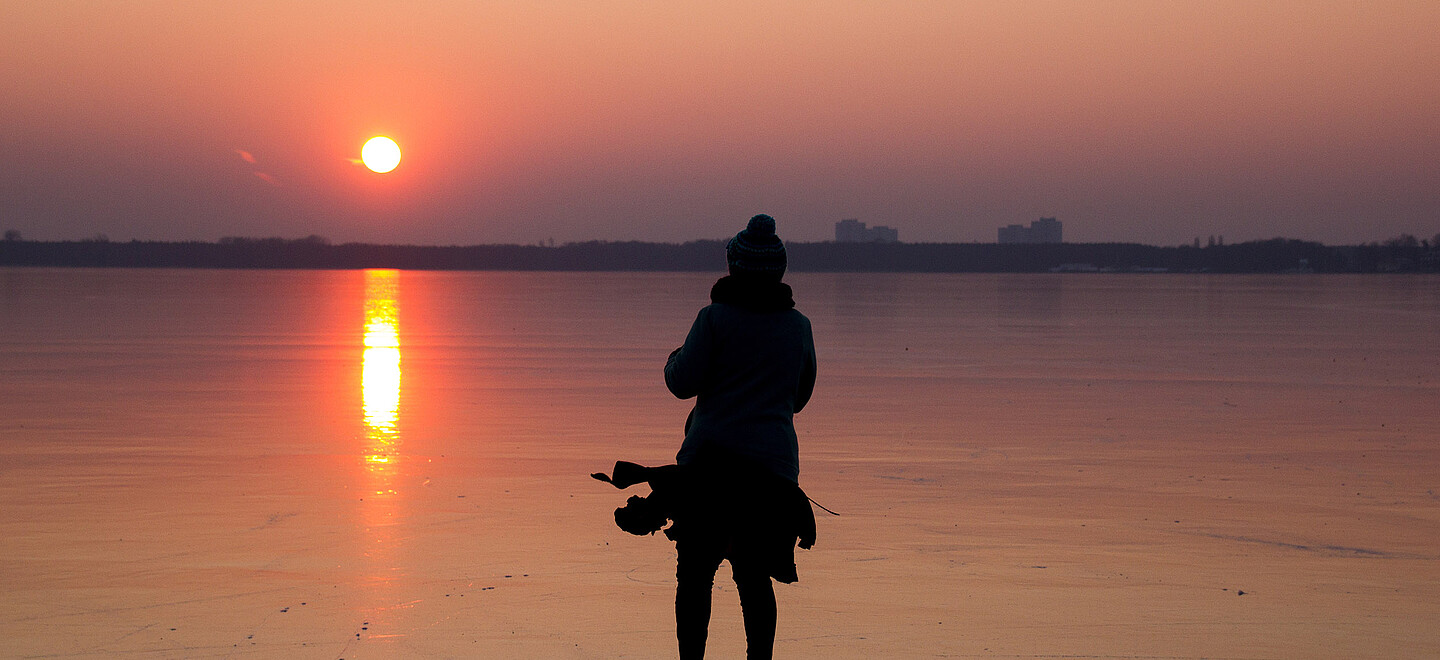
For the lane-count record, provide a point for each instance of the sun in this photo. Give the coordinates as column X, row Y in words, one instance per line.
column 380, row 154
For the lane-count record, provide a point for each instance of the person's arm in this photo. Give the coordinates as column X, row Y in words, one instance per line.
column 687, row 369
column 807, row 372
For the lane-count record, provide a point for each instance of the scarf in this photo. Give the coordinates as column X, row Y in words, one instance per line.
column 754, row 294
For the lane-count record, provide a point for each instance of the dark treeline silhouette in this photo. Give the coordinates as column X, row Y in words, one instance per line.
column 1400, row 254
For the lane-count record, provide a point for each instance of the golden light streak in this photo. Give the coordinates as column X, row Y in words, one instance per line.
column 380, row 373
column 381, row 496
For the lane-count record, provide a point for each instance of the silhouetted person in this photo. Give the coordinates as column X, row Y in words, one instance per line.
column 749, row 360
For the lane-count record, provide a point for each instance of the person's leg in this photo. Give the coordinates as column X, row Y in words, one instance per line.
column 695, row 566
column 757, row 602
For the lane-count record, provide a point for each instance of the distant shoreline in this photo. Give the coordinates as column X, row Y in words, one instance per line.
column 1269, row 256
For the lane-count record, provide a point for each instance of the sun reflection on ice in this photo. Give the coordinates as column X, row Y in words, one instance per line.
column 381, row 501
column 380, row 374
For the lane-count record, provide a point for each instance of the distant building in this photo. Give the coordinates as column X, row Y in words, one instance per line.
column 854, row 231
column 1044, row 230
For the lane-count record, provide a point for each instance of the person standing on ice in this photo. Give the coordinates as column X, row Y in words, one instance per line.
column 749, row 361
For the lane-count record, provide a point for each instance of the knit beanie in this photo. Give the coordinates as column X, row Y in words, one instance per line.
column 756, row 250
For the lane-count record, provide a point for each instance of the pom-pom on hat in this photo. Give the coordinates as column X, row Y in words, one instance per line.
column 756, row 250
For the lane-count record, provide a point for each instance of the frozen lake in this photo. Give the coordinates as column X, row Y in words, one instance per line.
column 381, row 464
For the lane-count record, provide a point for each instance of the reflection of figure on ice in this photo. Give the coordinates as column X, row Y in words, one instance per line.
column 734, row 496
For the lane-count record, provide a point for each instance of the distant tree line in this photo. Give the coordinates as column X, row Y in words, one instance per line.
column 1400, row 254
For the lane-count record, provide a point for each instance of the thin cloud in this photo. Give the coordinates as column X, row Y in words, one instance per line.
column 263, row 176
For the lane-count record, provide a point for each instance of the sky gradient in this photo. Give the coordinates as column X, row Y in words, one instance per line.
column 1150, row 122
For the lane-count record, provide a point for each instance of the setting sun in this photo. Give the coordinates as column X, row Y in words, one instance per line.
column 380, row 154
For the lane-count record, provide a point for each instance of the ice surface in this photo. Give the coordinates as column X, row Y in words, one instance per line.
column 201, row 464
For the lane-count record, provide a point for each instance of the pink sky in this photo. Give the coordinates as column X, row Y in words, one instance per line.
column 1145, row 121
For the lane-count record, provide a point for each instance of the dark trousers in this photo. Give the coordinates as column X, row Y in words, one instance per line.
column 698, row 559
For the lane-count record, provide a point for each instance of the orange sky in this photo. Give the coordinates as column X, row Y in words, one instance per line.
column 1130, row 121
